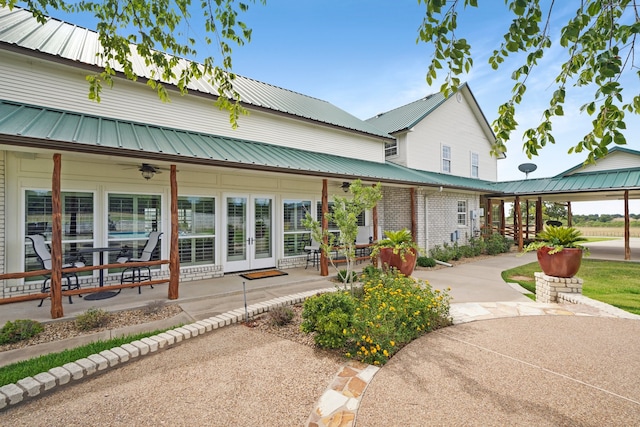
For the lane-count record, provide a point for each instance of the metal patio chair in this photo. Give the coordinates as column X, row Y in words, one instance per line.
column 136, row 273
column 42, row 251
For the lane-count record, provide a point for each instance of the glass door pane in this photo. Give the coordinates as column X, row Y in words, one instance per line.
column 236, row 228
column 263, row 228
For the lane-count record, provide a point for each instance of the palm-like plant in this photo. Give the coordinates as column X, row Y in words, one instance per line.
column 558, row 238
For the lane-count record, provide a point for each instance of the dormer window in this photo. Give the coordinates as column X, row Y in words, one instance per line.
column 391, row 149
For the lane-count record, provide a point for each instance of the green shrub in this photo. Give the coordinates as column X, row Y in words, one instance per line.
column 497, row 244
column 342, row 276
column 394, row 311
column 371, row 270
column 19, row 330
column 424, row 261
column 280, row 316
column 444, row 253
column 328, row 315
column 477, row 246
column 92, row 318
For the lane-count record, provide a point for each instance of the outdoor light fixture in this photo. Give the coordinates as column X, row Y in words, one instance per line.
column 345, row 186
column 147, row 171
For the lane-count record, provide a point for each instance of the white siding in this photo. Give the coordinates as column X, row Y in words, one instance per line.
column 100, row 176
column 613, row 161
column 455, row 125
column 43, row 83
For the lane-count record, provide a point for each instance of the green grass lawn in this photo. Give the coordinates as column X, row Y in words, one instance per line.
column 612, row 282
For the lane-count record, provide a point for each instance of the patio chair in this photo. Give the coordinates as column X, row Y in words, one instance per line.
column 136, row 273
column 43, row 253
column 312, row 249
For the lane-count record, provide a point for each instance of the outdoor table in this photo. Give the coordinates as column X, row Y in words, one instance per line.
column 101, row 251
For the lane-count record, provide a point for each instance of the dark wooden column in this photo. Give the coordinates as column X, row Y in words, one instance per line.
column 569, row 215
column 374, row 214
column 539, row 225
column 174, row 254
column 324, row 263
column 517, row 224
column 489, row 216
column 56, row 239
column 503, row 221
column 627, row 245
column 527, row 220
column 414, row 219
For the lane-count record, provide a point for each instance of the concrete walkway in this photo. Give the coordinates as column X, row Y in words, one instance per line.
column 527, row 364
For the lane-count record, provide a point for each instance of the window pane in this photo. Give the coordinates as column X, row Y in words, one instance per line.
column 77, row 224
column 77, row 214
column 133, row 215
column 294, row 212
column 196, row 218
column 391, row 148
column 462, row 212
column 296, row 237
column 332, row 225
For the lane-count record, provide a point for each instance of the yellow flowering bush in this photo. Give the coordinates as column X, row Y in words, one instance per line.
column 392, row 311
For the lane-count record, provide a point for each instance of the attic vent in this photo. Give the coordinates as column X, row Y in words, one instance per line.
column 379, row 115
column 429, row 96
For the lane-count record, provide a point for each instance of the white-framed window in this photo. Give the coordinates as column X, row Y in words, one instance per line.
column 462, row 212
column 475, row 165
column 77, row 223
column 391, row 148
column 446, row 159
column 296, row 236
column 131, row 218
column 197, row 230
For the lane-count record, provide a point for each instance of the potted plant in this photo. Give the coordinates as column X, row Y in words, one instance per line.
column 558, row 250
column 397, row 250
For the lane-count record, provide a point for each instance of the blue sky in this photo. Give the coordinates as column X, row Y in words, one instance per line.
column 362, row 56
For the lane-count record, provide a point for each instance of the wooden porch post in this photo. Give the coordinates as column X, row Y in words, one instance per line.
column 503, row 221
column 174, row 256
column 627, row 245
column 517, row 224
column 374, row 214
column 324, row 263
column 414, row 220
column 539, row 226
column 489, row 216
column 569, row 215
column 527, row 220
column 56, row 240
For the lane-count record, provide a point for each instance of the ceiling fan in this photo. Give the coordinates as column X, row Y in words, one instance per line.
column 148, row 171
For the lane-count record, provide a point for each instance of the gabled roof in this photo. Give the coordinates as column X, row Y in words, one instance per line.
column 407, row 116
column 623, row 179
column 47, row 128
column 616, row 149
column 57, row 39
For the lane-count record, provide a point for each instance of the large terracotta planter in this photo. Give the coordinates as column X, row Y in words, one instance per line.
column 565, row 263
column 389, row 259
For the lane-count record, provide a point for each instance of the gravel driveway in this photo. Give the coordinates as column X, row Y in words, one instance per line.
column 226, row 378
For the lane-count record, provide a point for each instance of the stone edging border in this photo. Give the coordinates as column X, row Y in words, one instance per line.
column 45, row 382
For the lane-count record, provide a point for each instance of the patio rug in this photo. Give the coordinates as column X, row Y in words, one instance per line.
column 263, row 274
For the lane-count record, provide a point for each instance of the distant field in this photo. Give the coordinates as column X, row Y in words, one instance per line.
column 608, row 231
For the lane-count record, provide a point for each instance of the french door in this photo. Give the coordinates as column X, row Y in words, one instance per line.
column 248, row 237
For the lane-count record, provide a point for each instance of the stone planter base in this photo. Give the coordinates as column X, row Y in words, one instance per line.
column 548, row 287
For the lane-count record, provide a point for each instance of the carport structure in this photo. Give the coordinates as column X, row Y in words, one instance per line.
column 615, row 177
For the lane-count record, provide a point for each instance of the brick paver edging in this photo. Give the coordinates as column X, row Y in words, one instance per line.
column 46, row 382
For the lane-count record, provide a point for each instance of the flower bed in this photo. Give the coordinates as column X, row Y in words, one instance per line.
column 372, row 323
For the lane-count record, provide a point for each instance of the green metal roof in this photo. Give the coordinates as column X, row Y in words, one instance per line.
column 47, row 128
column 75, row 44
column 407, row 116
column 615, row 149
column 627, row 179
